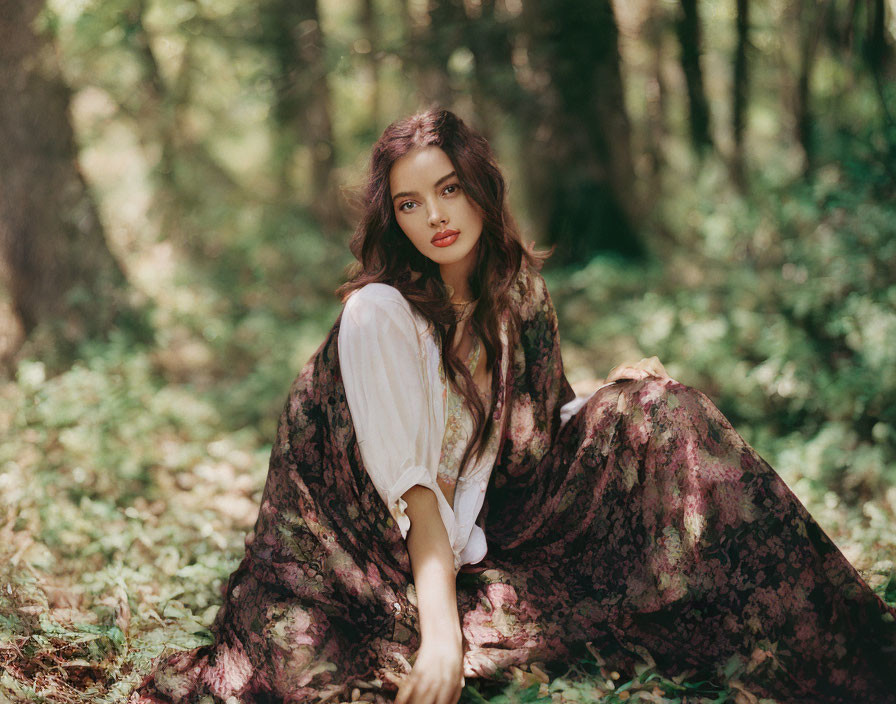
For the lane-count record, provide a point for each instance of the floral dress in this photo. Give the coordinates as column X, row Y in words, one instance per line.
column 645, row 525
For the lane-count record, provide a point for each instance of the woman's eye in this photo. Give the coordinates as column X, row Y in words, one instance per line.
column 452, row 186
column 402, row 206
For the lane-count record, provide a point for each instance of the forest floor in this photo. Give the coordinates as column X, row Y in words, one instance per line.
column 126, row 509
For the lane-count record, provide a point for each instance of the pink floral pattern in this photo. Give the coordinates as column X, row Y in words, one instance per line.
column 650, row 526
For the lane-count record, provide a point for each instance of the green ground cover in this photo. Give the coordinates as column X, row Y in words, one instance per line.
column 131, row 478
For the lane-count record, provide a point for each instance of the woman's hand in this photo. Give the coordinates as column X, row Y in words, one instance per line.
column 647, row 366
column 437, row 677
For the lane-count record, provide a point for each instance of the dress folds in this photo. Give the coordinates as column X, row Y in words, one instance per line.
column 644, row 524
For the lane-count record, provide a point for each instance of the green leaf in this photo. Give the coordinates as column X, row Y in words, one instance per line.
column 890, row 589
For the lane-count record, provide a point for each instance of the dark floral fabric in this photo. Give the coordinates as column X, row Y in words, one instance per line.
column 645, row 525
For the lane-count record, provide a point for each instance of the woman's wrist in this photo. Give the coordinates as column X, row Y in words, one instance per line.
column 449, row 643
column 442, row 629
column 432, row 561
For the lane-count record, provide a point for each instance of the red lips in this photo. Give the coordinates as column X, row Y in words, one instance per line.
column 443, row 234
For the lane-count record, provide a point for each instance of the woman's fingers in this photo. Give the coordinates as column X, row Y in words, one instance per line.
column 654, row 364
column 418, row 693
column 405, row 690
column 646, row 366
column 449, row 694
column 422, row 691
column 428, row 694
column 456, row 695
column 626, row 372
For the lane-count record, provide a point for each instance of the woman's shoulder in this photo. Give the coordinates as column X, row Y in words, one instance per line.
column 375, row 302
column 375, row 295
column 375, row 291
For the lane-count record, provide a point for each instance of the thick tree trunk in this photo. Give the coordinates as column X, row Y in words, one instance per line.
column 689, row 37
column 61, row 277
column 811, row 18
column 656, row 104
column 432, row 41
column 878, row 51
column 495, row 92
column 578, row 145
column 371, row 59
column 293, row 34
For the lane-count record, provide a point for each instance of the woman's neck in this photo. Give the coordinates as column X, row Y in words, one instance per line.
column 457, row 281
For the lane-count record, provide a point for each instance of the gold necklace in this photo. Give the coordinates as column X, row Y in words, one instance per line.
column 464, row 301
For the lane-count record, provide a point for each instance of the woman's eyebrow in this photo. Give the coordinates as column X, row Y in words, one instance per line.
column 435, row 185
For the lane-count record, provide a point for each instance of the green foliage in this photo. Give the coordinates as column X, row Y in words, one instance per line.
column 781, row 308
column 134, row 475
column 130, row 479
column 131, row 504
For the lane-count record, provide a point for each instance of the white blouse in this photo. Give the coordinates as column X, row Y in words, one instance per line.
column 390, row 363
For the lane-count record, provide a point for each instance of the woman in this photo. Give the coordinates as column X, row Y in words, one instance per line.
column 440, row 506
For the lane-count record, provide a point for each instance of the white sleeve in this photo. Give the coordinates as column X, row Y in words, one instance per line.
column 389, row 396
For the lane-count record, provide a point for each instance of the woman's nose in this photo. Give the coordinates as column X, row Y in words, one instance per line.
column 435, row 216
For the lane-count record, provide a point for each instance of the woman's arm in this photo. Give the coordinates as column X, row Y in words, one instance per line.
column 437, row 676
column 432, row 561
column 392, row 402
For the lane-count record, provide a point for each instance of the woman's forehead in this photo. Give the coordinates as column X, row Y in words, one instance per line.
column 422, row 167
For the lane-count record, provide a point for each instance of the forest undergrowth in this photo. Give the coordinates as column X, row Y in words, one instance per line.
column 129, row 486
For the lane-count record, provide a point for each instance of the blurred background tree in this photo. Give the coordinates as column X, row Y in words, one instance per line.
column 179, row 180
column 61, row 278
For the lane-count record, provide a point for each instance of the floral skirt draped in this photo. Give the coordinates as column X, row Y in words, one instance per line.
column 652, row 530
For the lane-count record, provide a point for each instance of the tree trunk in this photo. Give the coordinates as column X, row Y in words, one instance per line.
column 877, row 50
column 294, row 36
column 156, row 109
column 495, row 92
column 656, row 103
column 740, row 91
column 578, row 136
column 691, row 47
column 63, row 282
column 371, row 61
column 878, row 54
column 811, row 19
column 429, row 50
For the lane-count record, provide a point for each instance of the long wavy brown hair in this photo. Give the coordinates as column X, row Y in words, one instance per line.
column 386, row 255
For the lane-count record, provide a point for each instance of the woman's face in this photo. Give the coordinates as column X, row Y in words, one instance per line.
column 429, row 204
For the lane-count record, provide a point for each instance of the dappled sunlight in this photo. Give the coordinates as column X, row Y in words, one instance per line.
column 224, row 146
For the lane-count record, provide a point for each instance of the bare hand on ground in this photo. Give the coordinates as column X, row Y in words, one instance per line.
column 437, row 676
